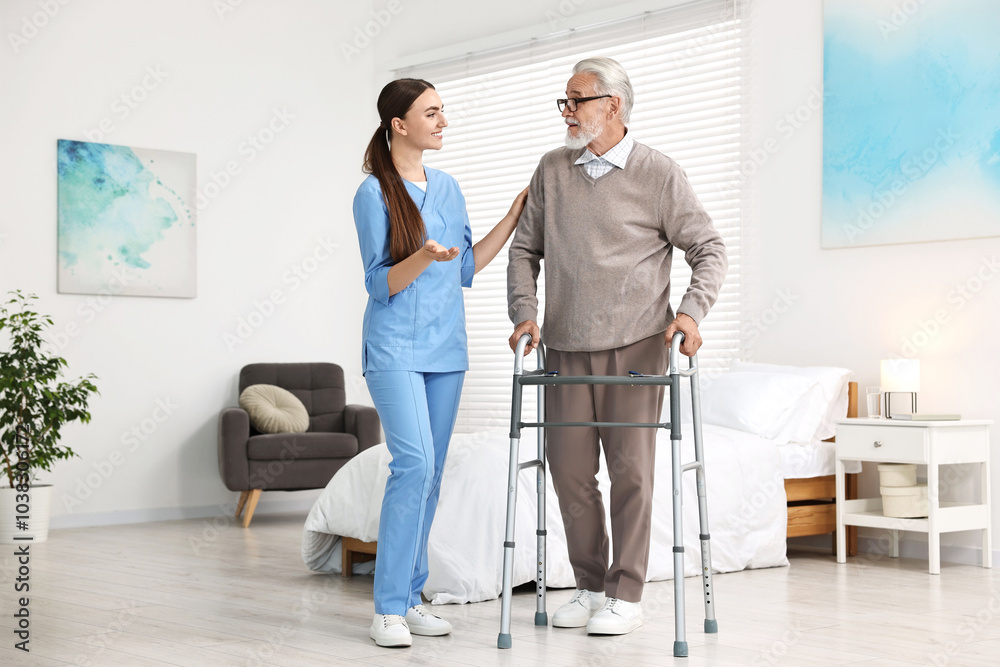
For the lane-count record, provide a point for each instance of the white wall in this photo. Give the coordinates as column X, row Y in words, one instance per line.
column 853, row 307
column 224, row 75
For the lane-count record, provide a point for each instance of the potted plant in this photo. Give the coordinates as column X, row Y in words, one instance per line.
column 34, row 406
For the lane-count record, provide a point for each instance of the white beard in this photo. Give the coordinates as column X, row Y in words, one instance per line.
column 584, row 136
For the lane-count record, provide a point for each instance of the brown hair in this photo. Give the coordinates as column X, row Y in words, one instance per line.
column 406, row 225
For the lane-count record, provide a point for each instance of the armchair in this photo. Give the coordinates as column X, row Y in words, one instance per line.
column 251, row 462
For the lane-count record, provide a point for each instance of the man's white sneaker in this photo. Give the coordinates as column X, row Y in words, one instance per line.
column 579, row 609
column 422, row 622
column 616, row 617
column 390, row 630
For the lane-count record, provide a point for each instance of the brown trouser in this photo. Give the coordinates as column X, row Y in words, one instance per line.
column 574, row 459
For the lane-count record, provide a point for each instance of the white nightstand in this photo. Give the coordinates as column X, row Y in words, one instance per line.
column 930, row 443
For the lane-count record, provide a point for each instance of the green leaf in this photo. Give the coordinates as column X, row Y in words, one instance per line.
column 31, row 395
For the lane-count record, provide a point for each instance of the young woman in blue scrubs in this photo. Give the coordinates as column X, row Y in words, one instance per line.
column 416, row 245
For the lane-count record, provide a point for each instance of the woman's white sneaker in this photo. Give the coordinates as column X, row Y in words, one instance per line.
column 422, row 622
column 579, row 609
column 390, row 630
column 616, row 617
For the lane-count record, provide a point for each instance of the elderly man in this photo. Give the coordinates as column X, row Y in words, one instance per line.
column 605, row 213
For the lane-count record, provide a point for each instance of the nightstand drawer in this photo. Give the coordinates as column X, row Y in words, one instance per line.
column 882, row 443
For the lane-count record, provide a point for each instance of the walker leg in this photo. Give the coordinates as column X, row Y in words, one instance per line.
column 504, row 639
column 541, row 616
column 680, row 641
column 711, row 624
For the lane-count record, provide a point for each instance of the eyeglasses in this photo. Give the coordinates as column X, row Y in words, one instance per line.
column 572, row 102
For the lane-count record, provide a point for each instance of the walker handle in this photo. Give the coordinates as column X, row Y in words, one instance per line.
column 675, row 350
column 522, row 343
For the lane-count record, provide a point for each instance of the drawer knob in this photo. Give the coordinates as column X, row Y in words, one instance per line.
column 878, row 443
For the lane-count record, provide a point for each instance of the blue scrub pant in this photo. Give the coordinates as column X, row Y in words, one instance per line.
column 418, row 414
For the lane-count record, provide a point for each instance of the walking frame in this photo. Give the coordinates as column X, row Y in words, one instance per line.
column 541, row 378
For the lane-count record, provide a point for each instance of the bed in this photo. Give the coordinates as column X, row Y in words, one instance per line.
column 751, row 416
column 810, row 485
column 750, row 397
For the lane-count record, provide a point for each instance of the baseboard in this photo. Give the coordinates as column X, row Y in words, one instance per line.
column 266, row 506
column 959, row 555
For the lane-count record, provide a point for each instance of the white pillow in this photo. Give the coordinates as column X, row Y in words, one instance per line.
column 827, row 402
column 274, row 410
column 759, row 403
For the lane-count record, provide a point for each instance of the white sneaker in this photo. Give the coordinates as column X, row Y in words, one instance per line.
column 422, row 622
column 390, row 630
column 579, row 609
column 616, row 617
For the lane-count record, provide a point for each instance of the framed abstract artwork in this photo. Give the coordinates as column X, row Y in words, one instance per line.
column 911, row 121
column 126, row 220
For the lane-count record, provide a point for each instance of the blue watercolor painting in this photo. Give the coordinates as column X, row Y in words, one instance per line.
column 911, row 121
column 126, row 220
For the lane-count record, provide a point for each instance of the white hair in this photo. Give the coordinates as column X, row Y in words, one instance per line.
column 611, row 80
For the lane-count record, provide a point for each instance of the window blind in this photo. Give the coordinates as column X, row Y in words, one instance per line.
column 685, row 64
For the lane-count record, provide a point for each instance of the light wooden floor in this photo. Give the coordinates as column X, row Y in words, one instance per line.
column 190, row 593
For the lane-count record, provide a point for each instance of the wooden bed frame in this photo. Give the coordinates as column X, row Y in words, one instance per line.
column 812, row 507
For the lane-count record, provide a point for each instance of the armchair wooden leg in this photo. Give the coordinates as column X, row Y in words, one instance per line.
column 241, row 504
column 251, row 506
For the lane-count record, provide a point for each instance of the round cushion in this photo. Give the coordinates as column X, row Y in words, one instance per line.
column 274, row 410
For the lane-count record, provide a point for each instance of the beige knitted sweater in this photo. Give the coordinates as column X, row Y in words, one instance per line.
column 607, row 246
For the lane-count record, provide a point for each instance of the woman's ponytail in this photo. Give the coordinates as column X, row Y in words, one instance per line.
column 406, row 226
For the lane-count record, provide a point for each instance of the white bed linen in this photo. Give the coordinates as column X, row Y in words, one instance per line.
column 814, row 459
column 746, row 507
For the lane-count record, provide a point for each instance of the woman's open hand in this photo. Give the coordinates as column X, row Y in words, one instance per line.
column 438, row 252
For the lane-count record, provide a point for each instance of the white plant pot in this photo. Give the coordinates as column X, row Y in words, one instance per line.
column 905, row 502
column 38, row 506
column 897, row 474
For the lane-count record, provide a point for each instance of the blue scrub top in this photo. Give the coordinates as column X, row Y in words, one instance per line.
column 421, row 328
